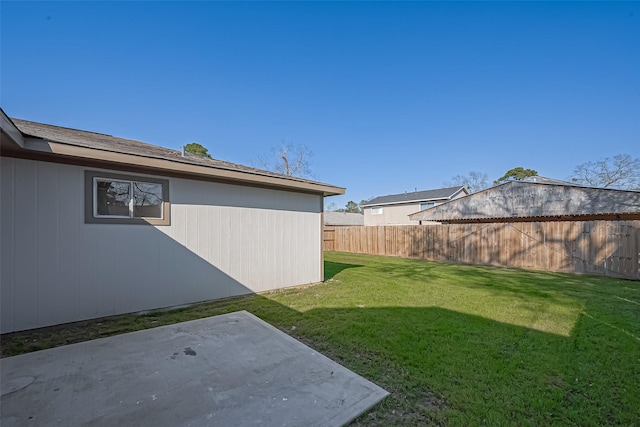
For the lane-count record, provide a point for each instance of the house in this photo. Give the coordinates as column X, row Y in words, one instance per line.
column 94, row 225
column 395, row 209
column 537, row 199
column 343, row 219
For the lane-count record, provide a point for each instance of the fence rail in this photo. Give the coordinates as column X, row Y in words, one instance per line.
column 595, row 247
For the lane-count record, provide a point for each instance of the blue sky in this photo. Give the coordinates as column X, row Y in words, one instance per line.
column 388, row 96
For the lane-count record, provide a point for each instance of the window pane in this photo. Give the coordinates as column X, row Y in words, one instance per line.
column 112, row 198
column 147, row 200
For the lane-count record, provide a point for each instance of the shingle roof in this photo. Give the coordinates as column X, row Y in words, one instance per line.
column 545, row 180
column 343, row 218
column 416, row 196
column 525, row 199
column 99, row 141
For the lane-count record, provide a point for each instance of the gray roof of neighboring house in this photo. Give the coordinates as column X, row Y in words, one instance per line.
column 108, row 143
column 526, row 199
column 416, row 196
column 343, row 218
column 545, row 180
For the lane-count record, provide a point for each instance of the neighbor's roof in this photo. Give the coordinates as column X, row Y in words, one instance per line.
column 545, row 180
column 49, row 139
column 543, row 200
column 343, row 218
column 416, row 196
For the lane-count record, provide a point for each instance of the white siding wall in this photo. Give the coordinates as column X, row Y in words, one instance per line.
column 398, row 214
column 457, row 196
column 223, row 240
column 392, row 215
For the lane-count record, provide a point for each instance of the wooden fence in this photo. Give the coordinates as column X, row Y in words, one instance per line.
column 594, row 247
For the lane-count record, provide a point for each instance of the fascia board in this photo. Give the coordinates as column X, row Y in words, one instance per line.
column 11, row 130
column 39, row 145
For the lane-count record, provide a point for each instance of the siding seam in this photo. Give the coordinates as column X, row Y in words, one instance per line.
column 13, row 245
column 35, row 226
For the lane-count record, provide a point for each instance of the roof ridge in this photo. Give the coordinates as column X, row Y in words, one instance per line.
column 568, row 184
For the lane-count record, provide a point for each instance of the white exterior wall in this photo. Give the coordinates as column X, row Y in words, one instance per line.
column 392, row 215
column 224, row 240
column 398, row 214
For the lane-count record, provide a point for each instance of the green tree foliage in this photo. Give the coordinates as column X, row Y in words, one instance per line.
column 197, row 150
column 516, row 174
column 622, row 172
column 352, row 207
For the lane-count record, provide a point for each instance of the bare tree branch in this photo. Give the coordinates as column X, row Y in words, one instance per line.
column 622, row 172
column 473, row 181
column 287, row 159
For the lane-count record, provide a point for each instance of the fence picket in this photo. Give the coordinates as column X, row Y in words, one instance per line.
column 609, row 248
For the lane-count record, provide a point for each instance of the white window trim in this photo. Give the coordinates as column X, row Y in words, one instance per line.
column 376, row 210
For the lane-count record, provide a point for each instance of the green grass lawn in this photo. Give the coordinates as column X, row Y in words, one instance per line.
column 454, row 344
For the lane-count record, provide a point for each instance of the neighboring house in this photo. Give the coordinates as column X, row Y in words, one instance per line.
column 396, row 208
column 93, row 225
column 545, row 180
column 537, row 199
column 343, row 219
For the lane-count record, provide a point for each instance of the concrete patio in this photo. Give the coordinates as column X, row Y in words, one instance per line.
column 229, row 370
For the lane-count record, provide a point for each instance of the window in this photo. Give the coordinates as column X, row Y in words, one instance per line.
column 122, row 199
column 427, row 205
column 376, row 211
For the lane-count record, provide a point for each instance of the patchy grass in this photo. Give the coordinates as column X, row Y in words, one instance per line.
column 454, row 344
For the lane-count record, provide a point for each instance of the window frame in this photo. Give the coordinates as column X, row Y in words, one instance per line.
column 432, row 204
column 91, row 199
column 376, row 210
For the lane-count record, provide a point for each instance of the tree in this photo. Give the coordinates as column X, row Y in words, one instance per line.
column 516, row 174
column 197, row 150
column 352, row 207
column 331, row 207
column 622, row 171
column 473, row 182
column 287, row 159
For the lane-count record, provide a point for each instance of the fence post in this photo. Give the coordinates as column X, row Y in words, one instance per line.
column 611, row 248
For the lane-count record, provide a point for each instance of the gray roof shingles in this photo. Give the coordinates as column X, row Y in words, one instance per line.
column 343, row 218
column 528, row 199
column 81, row 138
column 415, row 196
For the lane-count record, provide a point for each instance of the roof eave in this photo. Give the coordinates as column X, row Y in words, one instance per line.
column 621, row 216
column 37, row 145
column 404, row 202
column 459, row 190
column 418, row 200
column 10, row 131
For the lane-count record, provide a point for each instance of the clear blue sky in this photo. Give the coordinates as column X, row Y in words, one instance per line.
column 388, row 96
